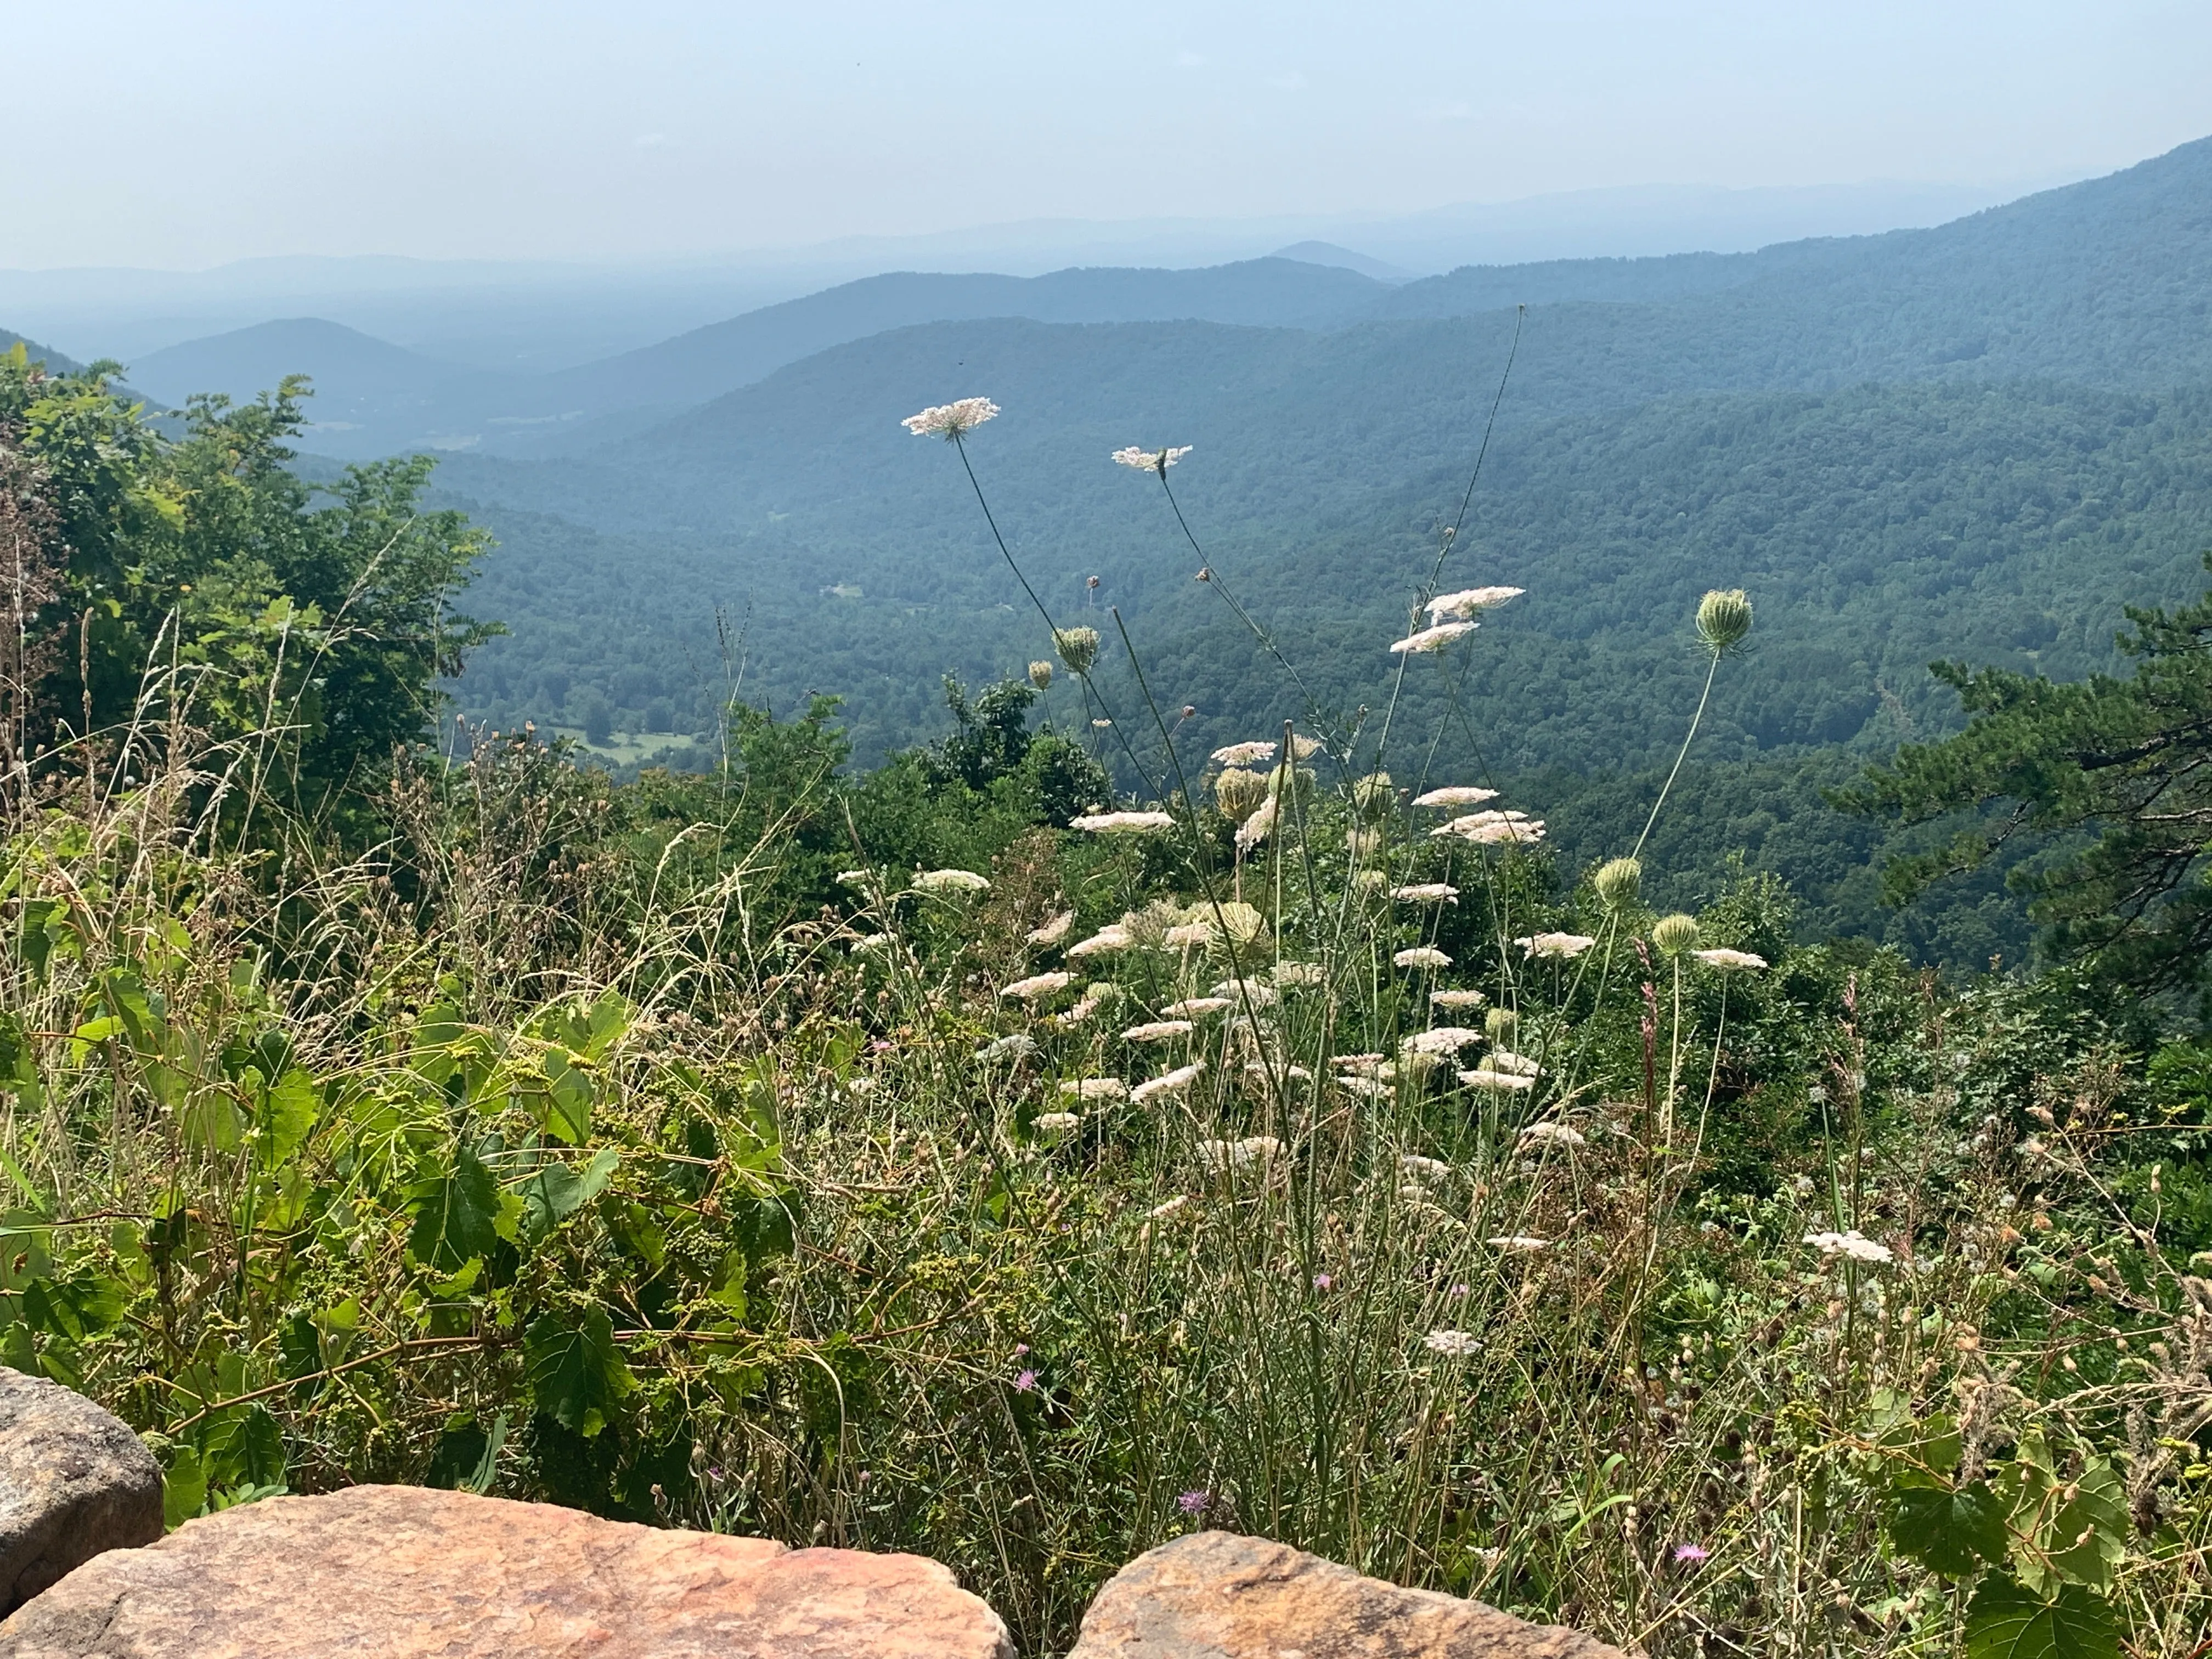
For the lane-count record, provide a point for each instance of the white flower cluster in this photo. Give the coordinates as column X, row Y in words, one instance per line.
column 1731, row 961
column 1432, row 639
column 1107, row 940
column 1122, row 823
column 1470, row 601
column 948, row 421
column 1553, row 1134
column 1452, row 1345
column 1426, row 892
column 1245, row 754
column 1151, row 461
column 1422, row 956
column 1442, row 1040
column 1168, row 1083
column 1096, row 1088
column 1195, row 1008
column 1558, row 947
column 1054, row 931
column 1038, row 985
column 1219, row 1155
column 1159, row 1030
column 951, row 881
column 1457, row 999
column 1457, row 794
column 1494, row 827
column 1854, row 1244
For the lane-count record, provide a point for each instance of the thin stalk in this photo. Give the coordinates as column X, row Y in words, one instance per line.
column 1686, row 741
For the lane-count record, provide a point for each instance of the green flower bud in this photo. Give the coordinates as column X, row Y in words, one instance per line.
column 1371, row 796
column 1675, row 934
column 1501, row 1023
column 1618, row 882
column 1724, row 619
column 1240, row 793
column 1078, row 648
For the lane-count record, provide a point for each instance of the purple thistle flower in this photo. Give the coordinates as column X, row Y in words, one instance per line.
column 1691, row 1554
column 1024, row 1381
column 1195, row 1502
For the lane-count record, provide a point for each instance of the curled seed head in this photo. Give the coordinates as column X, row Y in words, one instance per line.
column 1618, row 882
column 1724, row 619
column 1675, row 934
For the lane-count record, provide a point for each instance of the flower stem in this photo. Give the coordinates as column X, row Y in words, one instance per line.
column 1685, row 753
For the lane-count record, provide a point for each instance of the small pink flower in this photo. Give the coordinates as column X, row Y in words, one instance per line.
column 1024, row 1381
column 1691, row 1554
column 1323, row 1281
column 1020, row 1348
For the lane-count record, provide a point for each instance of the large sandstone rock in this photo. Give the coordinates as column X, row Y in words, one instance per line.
column 392, row 1572
column 1217, row 1596
column 74, row 1481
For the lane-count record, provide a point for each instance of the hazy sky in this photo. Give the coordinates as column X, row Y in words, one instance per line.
column 185, row 132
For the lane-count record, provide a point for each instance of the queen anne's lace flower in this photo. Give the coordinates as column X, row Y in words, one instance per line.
column 1467, row 602
column 1195, row 1008
column 1218, row 1155
column 1054, row 931
column 1057, row 1123
column 1122, row 823
column 1503, row 1060
column 1016, row 1046
column 1855, row 1244
column 1457, row 794
column 1426, row 892
column 1558, row 947
column 1422, row 956
column 1167, row 1083
column 1189, row 935
column 1038, row 985
column 1730, row 961
column 951, row 881
column 1517, row 1243
column 1105, row 942
column 1457, row 999
column 1096, row 1088
column 1484, row 1076
column 1255, row 829
column 1442, row 1040
column 1452, row 1345
column 948, row 421
column 1556, row 1134
column 1161, row 1213
column 1159, row 1030
column 1151, row 461
column 1431, row 1170
column 1517, row 833
column 1244, row 754
column 1432, row 639
column 1297, row 973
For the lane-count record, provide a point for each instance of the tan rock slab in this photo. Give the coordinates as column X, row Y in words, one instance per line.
column 399, row 1572
column 1218, row 1595
column 74, row 1481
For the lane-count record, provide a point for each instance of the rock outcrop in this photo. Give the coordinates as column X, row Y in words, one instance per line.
column 1217, row 1596
column 74, row 1481
column 397, row 1571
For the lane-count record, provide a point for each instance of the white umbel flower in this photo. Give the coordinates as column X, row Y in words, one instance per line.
column 1426, row 892
column 1096, row 1088
column 1422, row 956
column 951, row 881
column 1122, row 823
column 1468, row 601
column 1057, row 1123
column 1254, row 829
column 1167, row 1083
column 1556, row 947
column 1159, row 1030
column 1105, row 942
column 1197, row 1007
column 1151, row 461
column 1219, row 1155
column 1017, row 1046
column 1555, row 1135
column 1503, row 1060
column 1457, row 999
column 1442, row 1040
column 1854, row 1244
column 1038, row 985
column 1432, row 639
column 1457, row 794
column 1731, row 961
column 1054, row 931
column 1496, row 1082
column 1245, row 754
column 1429, row 1169
column 1452, row 1345
column 948, row 421
column 1517, row 1244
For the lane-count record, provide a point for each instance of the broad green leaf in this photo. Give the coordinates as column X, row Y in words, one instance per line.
column 2005, row 1620
column 84, row 1304
column 245, row 1451
column 1952, row 1531
column 609, row 1019
column 456, row 1215
column 289, row 1115
column 568, row 1098
column 184, row 1487
column 575, row 1372
column 557, row 1192
column 2088, row 1536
